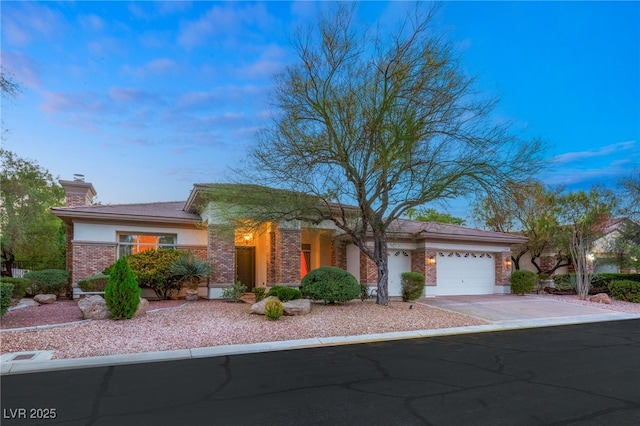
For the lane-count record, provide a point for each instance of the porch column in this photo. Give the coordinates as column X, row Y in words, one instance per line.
column 221, row 253
column 368, row 271
column 287, row 244
column 503, row 271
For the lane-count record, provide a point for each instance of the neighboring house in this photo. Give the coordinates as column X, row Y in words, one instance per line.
column 454, row 259
column 602, row 256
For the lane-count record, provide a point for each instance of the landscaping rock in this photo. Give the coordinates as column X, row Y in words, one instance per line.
column 191, row 295
column 292, row 307
column 27, row 301
column 297, row 307
column 94, row 307
column 600, row 298
column 45, row 299
column 258, row 307
column 143, row 307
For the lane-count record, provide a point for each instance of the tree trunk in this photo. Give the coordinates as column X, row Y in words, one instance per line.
column 382, row 263
column 7, row 259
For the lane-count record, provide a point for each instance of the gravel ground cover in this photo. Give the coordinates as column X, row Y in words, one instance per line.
column 213, row 323
column 173, row 325
column 616, row 305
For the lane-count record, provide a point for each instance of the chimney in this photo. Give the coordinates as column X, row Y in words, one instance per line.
column 78, row 192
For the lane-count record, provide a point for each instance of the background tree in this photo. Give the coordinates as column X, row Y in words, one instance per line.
column 370, row 124
column 8, row 88
column 627, row 245
column 585, row 215
column 532, row 210
column 432, row 215
column 29, row 230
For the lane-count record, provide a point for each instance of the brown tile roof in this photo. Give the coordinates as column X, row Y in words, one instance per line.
column 171, row 212
column 416, row 229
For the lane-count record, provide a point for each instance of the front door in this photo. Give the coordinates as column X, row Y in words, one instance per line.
column 246, row 266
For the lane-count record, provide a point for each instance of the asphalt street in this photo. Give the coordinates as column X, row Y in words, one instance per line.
column 586, row 374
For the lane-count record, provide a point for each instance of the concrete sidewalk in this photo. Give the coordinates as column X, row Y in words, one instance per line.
column 504, row 313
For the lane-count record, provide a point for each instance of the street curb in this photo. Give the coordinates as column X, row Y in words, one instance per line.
column 23, row 367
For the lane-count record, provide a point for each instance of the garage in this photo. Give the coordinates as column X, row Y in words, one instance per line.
column 460, row 273
column 399, row 262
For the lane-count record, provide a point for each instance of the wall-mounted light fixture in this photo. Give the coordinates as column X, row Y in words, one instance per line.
column 247, row 238
column 431, row 260
column 507, row 263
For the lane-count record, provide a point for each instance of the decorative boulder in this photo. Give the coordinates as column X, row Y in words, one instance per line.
column 143, row 307
column 292, row 307
column 94, row 307
column 45, row 299
column 600, row 298
column 258, row 307
column 297, row 307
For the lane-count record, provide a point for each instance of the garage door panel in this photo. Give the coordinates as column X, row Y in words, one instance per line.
column 461, row 273
column 399, row 262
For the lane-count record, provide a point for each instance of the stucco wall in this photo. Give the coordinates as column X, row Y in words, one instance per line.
column 106, row 233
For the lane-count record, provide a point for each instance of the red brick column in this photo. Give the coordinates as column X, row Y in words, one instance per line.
column 368, row 270
column 288, row 246
column 431, row 267
column 503, row 268
column 339, row 254
column 221, row 253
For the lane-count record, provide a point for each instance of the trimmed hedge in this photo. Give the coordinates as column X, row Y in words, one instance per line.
column 94, row 283
column 625, row 290
column 412, row 285
column 48, row 281
column 20, row 286
column 330, row 284
column 284, row 293
column 523, row 281
column 6, row 291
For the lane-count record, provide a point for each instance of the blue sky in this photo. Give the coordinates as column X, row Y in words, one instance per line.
column 147, row 98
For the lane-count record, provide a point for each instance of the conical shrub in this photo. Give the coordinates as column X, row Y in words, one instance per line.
column 123, row 292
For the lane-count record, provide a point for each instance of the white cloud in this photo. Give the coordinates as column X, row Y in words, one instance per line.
column 228, row 20
column 570, row 157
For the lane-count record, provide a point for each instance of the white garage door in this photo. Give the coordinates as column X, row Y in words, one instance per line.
column 464, row 273
column 399, row 262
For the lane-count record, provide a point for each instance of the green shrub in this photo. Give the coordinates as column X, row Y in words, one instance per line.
column 330, row 284
column 364, row 292
column 273, row 309
column 284, row 293
column 189, row 269
column 523, row 281
column 412, row 285
column 604, row 278
column 20, row 286
column 94, row 283
column 48, row 281
column 259, row 293
column 565, row 282
column 625, row 290
column 123, row 292
column 152, row 269
column 6, row 291
column 234, row 292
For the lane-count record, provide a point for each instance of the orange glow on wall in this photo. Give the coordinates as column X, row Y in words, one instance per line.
column 304, row 265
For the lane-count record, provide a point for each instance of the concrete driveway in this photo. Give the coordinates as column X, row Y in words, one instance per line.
column 507, row 308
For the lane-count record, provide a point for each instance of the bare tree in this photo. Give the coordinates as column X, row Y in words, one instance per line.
column 370, row 125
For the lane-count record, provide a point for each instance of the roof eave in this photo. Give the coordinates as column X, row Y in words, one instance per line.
column 69, row 215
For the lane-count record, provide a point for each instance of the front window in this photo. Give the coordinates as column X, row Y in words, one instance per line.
column 136, row 243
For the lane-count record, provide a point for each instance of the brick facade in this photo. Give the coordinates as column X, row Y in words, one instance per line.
column 368, row 270
column 287, row 249
column 221, row 253
column 502, row 263
column 339, row 254
column 91, row 259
